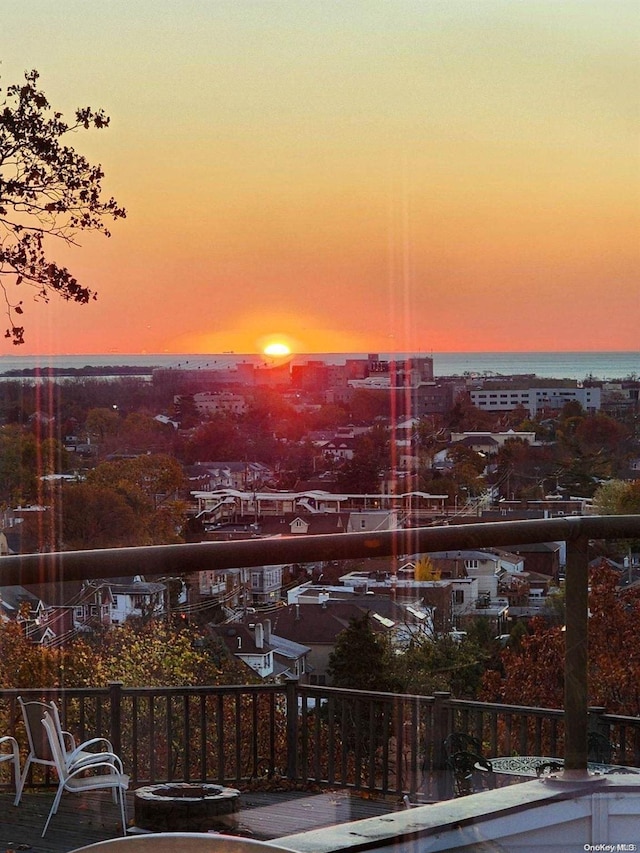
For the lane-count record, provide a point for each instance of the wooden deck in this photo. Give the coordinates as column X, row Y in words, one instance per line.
column 86, row 819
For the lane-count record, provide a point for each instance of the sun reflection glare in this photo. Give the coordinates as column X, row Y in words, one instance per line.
column 277, row 348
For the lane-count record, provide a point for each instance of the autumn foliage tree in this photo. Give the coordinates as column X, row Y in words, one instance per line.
column 47, row 191
column 156, row 654
column 533, row 672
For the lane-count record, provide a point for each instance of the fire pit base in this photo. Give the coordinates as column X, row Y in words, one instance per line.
column 185, row 807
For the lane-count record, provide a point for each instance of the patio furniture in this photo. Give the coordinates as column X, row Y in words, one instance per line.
column 599, row 747
column 532, row 766
column 461, row 742
column 12, row 755
column 104, row 774
column 469, row 767
column 182, row 842
column 39, row 750
column 468, row 770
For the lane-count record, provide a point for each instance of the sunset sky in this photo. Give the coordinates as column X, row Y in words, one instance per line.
column 361, row 175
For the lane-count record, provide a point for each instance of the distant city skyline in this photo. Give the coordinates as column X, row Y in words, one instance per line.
column 352, row 177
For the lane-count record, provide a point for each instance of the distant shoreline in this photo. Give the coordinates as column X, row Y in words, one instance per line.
column 602, row 365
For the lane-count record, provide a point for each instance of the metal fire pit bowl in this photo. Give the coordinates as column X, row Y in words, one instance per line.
column 185, row 807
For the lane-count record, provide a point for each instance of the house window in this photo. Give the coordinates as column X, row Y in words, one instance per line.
column 471, row 564
column 458, row 596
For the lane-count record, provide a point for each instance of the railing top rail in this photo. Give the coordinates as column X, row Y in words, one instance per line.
column 472, row 704
column 325, row 692
column 180, row 690
column 192, row 557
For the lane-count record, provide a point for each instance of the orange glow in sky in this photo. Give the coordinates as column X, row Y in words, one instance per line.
column 362, row 177
column 277, row 349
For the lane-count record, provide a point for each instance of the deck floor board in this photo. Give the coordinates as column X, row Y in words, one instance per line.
column 91, row 817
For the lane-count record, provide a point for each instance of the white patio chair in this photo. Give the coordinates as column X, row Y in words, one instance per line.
column 182, row 842
column 12, row 755
column 72, row 777
column 39, row 750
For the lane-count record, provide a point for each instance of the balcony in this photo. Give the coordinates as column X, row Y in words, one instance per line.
column 380, row 747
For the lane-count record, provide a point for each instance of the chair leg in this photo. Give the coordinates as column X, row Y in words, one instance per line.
column 54, row 807
column 16, row 766
column 123, row 810
column 22, row 779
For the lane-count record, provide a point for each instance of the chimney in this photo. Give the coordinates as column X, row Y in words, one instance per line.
column 259, row 636
column 267, row 630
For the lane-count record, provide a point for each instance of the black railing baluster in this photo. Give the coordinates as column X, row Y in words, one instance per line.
column 387, row 723
column 238, row 720
column 356, row 728
column 186, row 739
column 291, row 696
column 220, row 739
column 414, row 731
column 303, row 770
column 255, row 755
column 272, row 734
column 134, row 738
column 152, row 738
column 399, row 744
column 373, row 744
column 202, row 708
column 331, row 741
column 168, row 727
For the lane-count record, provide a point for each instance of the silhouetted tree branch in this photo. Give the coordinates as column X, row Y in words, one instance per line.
column 46, row 190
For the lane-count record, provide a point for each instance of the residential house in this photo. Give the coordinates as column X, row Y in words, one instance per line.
column 112, row 602
column 268, row 655
column 265, row 585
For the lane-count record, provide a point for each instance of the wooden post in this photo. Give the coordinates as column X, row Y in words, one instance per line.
column 115, row 703
column 440, row 732
column 292, row 729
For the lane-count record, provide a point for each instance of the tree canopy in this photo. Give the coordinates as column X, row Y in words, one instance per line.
column 533, row 671
column 47, row 190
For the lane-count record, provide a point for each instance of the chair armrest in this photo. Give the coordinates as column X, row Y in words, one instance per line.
column 113, row 771
column 88, row 745
column 68, row 740
column 91, row 759
column 13, row 745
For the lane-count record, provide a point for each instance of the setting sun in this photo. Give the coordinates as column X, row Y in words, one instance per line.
column 277, row 348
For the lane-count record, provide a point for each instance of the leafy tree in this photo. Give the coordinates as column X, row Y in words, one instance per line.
column 465, row 417
column 533, row 671
column 371, row 457
column 22, row 663
column 18, row 465
column 367, row 405
column 441, row 664
column 148, row 485
column 426, row 571
column 616, row 497
column 102, row 422
column 358, row 660
column 156, row 654
column 523, row 468
column 96, row 516
column 468, row 466
column 428, row 438
column 216, row 439
column 47, row 190
column 152, row 477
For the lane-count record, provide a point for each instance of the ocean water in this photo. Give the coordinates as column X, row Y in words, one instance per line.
column 561, row 365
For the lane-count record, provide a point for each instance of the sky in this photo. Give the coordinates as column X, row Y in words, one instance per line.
column 353, row 176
